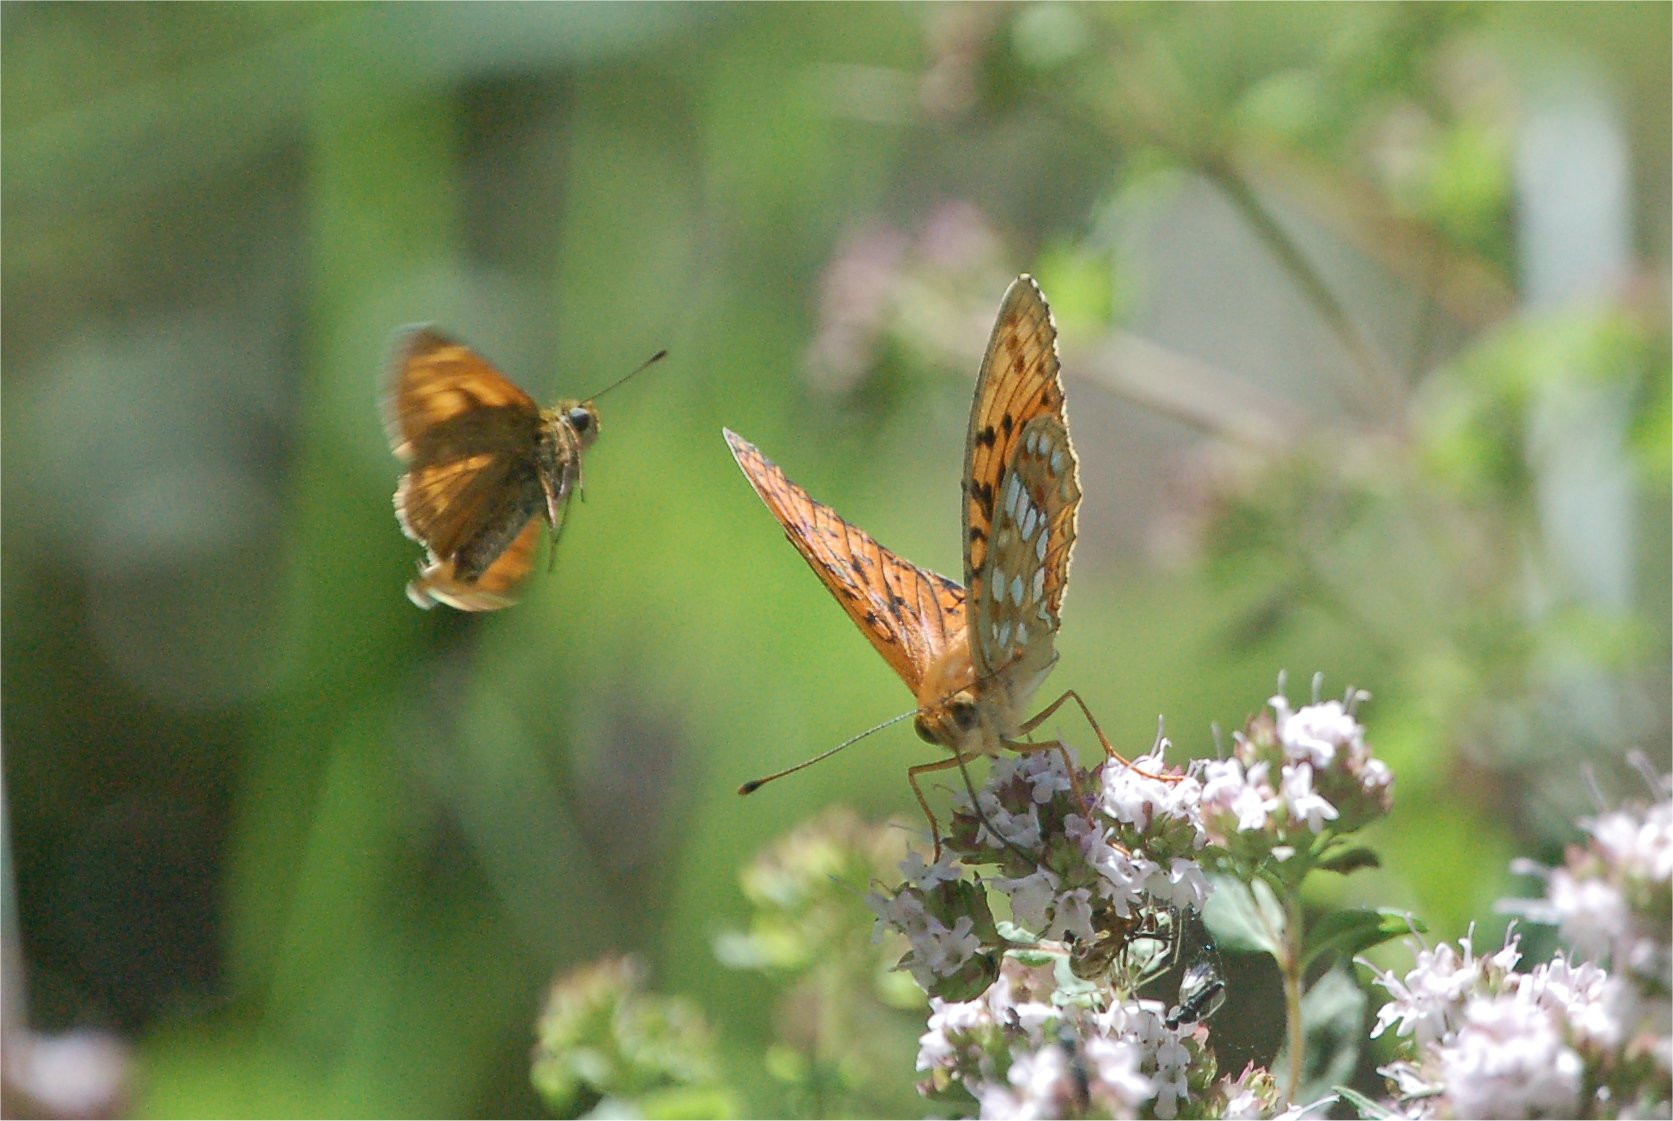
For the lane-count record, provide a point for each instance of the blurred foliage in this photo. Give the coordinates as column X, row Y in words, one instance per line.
column 605, row 1047
column 1364, row 316
column 843, row 1016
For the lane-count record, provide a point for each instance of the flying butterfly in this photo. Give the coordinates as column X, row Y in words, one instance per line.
column 973, row 655
column 485, row 467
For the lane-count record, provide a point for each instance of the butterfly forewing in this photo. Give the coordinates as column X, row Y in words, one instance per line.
column 1018, row 392
column 438, row 380
column 909, row 614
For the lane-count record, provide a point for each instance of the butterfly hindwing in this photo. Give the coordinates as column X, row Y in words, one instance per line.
column 439, row 581
column 1018, row 381
column 1019, row 386
column 908, row 613
column 1027, row 564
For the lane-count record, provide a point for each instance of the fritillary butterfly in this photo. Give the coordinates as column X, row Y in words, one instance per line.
column 483, row 460
column 974, row 655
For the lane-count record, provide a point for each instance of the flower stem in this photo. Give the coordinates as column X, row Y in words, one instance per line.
column 1290, row 964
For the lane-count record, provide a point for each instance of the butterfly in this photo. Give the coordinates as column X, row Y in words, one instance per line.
column 485, row 468
column 972, row 654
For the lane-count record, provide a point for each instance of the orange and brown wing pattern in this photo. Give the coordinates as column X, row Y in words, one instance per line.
column 1018, row 382
column 908, row 613
column 436, row 381
column 439, row 582
column 468, row 509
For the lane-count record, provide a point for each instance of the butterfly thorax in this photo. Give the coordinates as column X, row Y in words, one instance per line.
column 566, row 430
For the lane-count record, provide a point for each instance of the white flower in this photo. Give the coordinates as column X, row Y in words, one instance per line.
column 924, row 876
column 1114, row 1069
column 1374, row 775
column 1317, row 732
column 1123, row 876
column 1592, row 1003
column 1509, row 1060
column 1639, row 847
column 1021, row 829
column 1304, row 804
column 1227, row 789
column 1072, row 916
column 1046, row 777
column 1591, row 913
column 1039, row 1084
column 1184, row 885
column 1427, row 1004
column 1031, row 896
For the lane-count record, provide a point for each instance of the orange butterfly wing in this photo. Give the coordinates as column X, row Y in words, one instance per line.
column 1021, row 488
column 908, row 613
column 436, row 382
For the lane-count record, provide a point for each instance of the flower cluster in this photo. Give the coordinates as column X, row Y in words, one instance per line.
column 605, row 1042
column 1292, row 776
column 1061, row 899
column 1082, row 858
column 1562, row 1040
column 1036, row 1045
column 1612, row 898
column 1587, row 1034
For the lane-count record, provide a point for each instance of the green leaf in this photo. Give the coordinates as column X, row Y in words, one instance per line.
column 1245, row 917
column 1352, row 932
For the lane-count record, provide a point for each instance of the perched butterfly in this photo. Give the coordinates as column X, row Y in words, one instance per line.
column 483, row 461
column 974, row 655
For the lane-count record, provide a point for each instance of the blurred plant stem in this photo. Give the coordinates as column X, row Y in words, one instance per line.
column 1386, row 392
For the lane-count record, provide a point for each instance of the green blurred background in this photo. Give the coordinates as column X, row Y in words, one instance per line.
column 1364, row 326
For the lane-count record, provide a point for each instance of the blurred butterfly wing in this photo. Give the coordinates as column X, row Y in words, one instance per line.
column 438, row 581
column 435, row 383
column 908, row 613
column 468, row 509
column 1019, row 381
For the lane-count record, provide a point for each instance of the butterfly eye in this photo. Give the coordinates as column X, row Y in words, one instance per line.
column 925, row 730
column 580, row 418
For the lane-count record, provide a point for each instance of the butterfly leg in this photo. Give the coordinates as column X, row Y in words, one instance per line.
column 912, row 774
column 957, row 760
column 1109, row 750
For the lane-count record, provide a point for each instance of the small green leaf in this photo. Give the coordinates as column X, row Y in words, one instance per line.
column 1353, row 932
column 1351, row 860
column 1365, row 1106
column 1035, row 958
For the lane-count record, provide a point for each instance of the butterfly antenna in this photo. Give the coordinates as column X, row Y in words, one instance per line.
column 753, row 785
column 641, row 368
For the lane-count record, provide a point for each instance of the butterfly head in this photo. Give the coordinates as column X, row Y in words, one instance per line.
column 958, row 709
column 581, row 418
column 949, row 721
